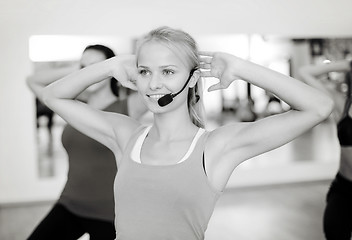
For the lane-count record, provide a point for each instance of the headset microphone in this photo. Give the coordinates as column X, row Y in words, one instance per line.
column 168, row 98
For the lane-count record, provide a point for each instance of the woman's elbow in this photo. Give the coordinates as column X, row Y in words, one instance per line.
column 30, row 81
column 46, row 96
column 325, row 108
column 302, row 72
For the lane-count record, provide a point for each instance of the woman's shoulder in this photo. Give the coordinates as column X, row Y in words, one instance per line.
column 218, row 137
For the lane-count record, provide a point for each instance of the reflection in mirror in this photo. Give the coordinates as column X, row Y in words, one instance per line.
column 53, row 53
column 49, row 130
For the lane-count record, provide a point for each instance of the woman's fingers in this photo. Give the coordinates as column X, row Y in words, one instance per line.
column 205, row 59
column 218, row 86
column 206, row 53
column 214, row 87
column 206, row 74
column 130, row 84
column 205, row 65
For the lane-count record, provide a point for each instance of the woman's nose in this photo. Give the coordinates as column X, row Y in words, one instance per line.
column 155, row 82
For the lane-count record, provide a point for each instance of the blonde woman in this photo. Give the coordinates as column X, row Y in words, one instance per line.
column 172, row 172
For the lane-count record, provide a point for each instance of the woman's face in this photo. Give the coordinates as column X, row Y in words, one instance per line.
column 90, row 57
column 160, row 72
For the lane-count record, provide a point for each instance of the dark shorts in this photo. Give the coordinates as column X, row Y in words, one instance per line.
column 338, row 211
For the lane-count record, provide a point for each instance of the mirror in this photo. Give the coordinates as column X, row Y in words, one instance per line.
column 48, row 52
column 240, row 102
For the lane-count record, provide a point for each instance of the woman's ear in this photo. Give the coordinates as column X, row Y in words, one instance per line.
column 194, row 79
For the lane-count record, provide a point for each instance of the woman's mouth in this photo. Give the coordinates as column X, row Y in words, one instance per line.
column 155, row 96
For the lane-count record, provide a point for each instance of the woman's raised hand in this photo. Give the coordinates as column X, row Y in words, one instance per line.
column 219, row 65
column 124, row 69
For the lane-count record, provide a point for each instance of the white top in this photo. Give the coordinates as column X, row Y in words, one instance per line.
column 136, row 151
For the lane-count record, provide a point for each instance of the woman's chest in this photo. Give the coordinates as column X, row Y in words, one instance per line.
column 163, row 153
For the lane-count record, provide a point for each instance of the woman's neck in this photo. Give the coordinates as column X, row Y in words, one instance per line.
column 174, row 125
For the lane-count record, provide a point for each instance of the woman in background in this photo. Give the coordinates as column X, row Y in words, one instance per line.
column 172, row 173
column 337, row 222
column 86, row 204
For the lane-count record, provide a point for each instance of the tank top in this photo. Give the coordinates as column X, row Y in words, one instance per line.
column 344, row 126
column 88, row 191
column 165, row 202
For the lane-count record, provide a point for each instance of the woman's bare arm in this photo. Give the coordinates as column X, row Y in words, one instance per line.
column 111, row 129
column 235, row 143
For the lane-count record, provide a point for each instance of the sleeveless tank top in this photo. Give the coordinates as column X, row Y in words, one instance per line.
column 344, row 126
column 165, row 202
column 88, row 191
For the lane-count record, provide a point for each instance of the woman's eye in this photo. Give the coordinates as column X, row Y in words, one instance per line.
column 168, row 72
column 143, row 72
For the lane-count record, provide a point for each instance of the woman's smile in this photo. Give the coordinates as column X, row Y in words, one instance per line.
column 155, row 97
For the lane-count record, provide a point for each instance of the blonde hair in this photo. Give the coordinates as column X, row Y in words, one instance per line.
column 181, row 43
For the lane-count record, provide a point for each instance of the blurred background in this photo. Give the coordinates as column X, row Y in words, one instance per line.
column 282, row 35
